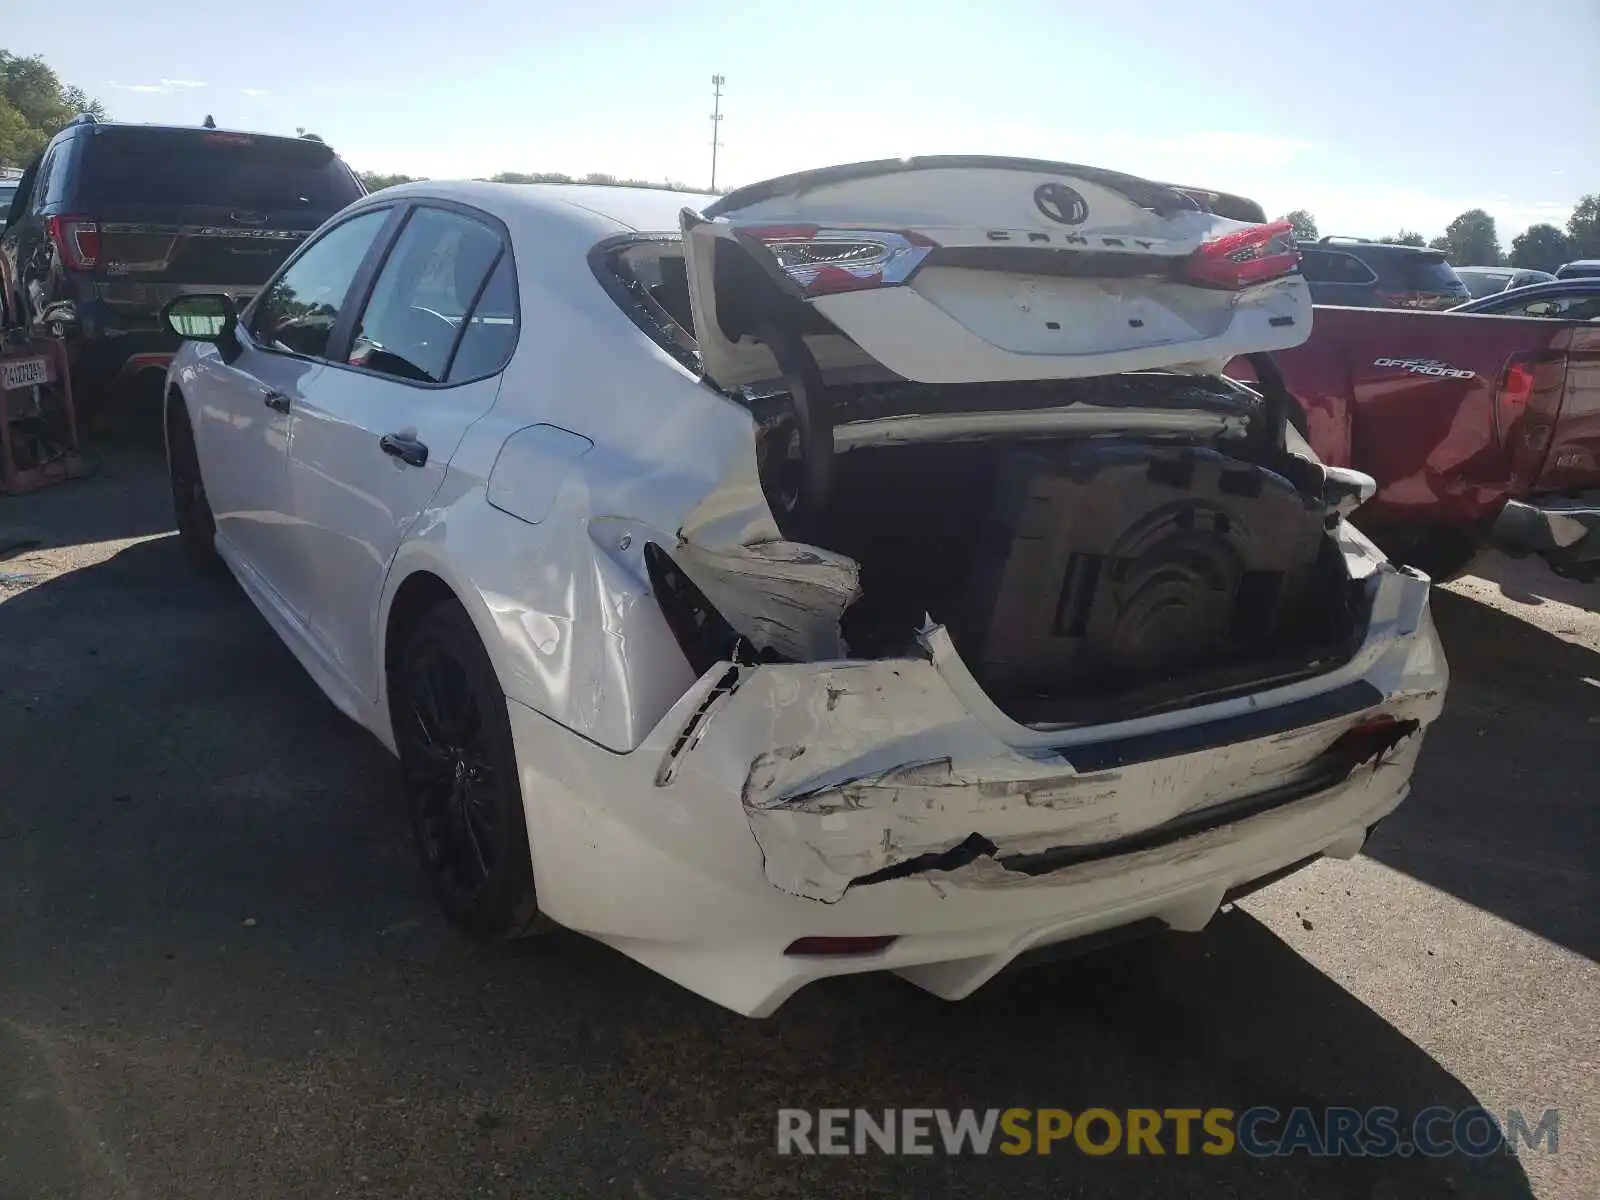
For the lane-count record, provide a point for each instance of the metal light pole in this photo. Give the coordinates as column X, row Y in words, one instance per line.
column 716, row 123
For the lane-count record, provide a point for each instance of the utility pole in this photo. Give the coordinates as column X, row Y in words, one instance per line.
column 716, row 123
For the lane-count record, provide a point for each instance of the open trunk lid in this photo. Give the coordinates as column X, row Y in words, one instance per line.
column 973, row 269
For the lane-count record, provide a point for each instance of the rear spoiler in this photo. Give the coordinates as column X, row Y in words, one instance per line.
column 1225, row 204
column 1161, row 198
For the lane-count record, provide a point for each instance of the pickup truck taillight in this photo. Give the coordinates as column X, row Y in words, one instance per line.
column 824, row 262
column 77, row 240
column 1511, row 395
column 1244, row 259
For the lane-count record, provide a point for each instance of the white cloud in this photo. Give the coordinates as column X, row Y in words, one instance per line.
column 253, row 93
column 159, row 88
column 185, row 83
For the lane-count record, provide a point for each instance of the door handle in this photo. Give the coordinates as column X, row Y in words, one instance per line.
column 276, row 400
column 407, row 449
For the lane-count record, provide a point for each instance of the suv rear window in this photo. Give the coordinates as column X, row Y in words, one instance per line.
column 220, row 170
column 1428, row 273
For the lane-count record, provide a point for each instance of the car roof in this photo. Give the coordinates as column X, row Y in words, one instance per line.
column 91, row 128
column 628, row 209
column 1334, row 242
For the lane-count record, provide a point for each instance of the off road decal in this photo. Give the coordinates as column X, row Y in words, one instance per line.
column 1425, row 366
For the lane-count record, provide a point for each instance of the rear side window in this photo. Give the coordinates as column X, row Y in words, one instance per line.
column 1427, row 273
column 166, row 168
column 420, row 305
column 491, row 332
column 1327, row 266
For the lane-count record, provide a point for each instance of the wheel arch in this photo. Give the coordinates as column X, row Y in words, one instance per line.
column 418, row 581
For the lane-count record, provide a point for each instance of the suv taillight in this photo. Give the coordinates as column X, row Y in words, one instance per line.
column 1243, row 259
column 825, row 262
column 77, row 240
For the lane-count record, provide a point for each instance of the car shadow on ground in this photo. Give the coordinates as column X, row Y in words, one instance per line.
column 116, row 501
column 1530, row 581
column 1503, row 813
column 224, row 978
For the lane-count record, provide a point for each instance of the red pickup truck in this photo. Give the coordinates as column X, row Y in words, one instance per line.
column 1479, row 430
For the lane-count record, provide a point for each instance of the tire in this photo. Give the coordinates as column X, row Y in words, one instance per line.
column 197, row 528
column 459, row 770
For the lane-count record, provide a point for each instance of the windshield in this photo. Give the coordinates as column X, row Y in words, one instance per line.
column 217, row 170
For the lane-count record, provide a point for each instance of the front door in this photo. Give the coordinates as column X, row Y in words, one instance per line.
column 371, row 442
column 248, row 406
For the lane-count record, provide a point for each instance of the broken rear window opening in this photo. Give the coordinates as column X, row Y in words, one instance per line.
column 1097, row 548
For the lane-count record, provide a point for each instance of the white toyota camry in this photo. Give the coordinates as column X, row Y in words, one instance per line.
column 870, row 569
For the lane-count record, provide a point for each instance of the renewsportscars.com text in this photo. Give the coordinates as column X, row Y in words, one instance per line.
column 1260, row 1132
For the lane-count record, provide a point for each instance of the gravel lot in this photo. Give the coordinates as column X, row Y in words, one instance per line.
column 220, row 975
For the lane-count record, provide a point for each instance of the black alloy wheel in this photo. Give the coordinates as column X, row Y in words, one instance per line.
column 460, row 775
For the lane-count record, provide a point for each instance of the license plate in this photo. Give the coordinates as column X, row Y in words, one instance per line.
column 24, row 372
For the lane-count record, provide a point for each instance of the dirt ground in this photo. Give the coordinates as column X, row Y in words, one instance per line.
column 221, row 976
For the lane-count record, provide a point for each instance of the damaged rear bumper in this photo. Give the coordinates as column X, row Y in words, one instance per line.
column 892, row 799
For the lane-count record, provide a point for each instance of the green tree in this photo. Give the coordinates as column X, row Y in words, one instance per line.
column 1406, row 237
column 1305, row 225
column 1583, row 228
column 375, row 182
column 34, row 106
column 1470, row 240
column 1540, row 248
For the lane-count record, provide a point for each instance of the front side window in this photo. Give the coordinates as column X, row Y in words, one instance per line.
column 299, row 309
column 421, row 302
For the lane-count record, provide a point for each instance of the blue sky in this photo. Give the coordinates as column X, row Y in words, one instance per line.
column 1374, row 114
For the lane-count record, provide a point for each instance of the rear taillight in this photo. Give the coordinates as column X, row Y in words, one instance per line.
column 77, row 240
column 825, row 262
column 1511, row 396
column 1418, row 299
column 1243, row 259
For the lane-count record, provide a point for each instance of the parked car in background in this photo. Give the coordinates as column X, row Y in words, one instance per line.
column 1485, row 281
column 1478, row 429
column 1580, row 269
column 112, row 221
column 8, row 192
column 770, row 593
column 1576, row 299
column 1361, row 274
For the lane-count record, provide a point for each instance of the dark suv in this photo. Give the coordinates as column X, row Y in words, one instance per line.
column 1379, row 275
column 112, row 221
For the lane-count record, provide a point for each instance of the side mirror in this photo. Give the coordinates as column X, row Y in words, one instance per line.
column 207, row 317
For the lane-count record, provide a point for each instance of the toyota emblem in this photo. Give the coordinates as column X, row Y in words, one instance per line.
column 1061, row 204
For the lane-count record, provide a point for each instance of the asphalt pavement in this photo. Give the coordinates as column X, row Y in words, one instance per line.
column 221, row 975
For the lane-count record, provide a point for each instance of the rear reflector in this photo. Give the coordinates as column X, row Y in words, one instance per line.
column 836, row 947
column 1245, row 258
column 825, row 262
column 77, row 240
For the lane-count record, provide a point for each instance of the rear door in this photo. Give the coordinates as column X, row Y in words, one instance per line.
column 201, row 210
column 958, row 270
column 375, row 432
